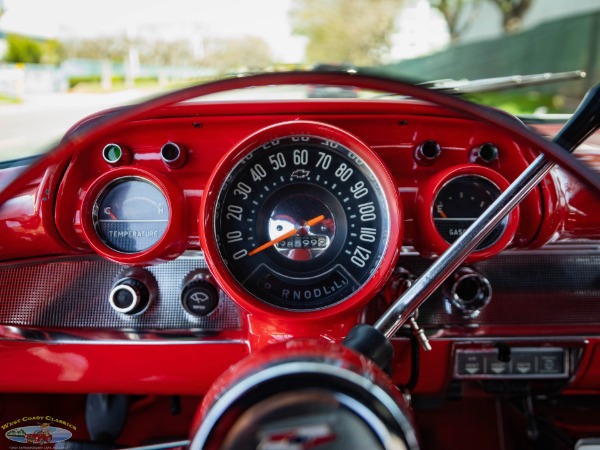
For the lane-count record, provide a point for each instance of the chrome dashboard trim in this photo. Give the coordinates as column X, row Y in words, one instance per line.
column 437, row 323
column 566, row 372
column 554, row 286
column 494, row 339
column 586, row 247
column 163, row 446
column 95, row 337
column 71, row 294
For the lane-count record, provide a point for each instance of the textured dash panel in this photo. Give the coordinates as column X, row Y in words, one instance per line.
column 73, row 293
column 541, row 287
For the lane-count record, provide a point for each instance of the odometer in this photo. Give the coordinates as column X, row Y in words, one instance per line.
column 301, row 222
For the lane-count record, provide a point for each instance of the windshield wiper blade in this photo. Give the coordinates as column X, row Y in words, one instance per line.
column 501, row 83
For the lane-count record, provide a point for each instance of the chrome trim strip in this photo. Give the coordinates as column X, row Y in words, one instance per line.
column 558, row 247
column 164, row 446
column 101, row 337
column 493, row 339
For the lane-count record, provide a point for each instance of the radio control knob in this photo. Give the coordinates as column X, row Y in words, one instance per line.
column 133, row 293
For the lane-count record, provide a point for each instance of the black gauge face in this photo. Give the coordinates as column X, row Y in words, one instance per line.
column 460, row 202
column 301, row 223
column 131, row 215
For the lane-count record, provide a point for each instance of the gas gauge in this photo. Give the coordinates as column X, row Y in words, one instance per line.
column 460, row 202
column 450, row 201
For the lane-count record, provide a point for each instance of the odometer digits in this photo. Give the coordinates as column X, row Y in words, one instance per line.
column 301, row 222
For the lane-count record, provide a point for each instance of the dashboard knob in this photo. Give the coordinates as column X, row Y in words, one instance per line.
column 485, row 153
column 467, row 291
column 133, row 293
column 199, row 296
column 427, row 152
column 173, row 155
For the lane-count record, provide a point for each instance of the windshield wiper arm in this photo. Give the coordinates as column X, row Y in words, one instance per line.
column 501, row 83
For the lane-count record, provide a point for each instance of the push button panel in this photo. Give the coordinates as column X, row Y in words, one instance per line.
column 523, row 363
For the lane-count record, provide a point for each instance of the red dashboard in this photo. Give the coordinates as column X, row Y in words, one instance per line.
column 164, row 200
column 393, row 132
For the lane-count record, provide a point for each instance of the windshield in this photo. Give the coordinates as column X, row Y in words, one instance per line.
column 65, row 59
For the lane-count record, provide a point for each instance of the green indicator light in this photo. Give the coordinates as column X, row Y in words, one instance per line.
column 112, row 153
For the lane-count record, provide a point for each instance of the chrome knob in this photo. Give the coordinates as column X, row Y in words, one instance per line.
column 133, row 293
column 467, row 291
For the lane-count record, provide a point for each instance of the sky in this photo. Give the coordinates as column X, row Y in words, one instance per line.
column 66, row 18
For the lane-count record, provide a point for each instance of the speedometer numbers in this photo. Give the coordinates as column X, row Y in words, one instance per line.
column 303, row 221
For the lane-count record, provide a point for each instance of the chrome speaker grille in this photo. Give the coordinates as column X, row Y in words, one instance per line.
column 73, row 293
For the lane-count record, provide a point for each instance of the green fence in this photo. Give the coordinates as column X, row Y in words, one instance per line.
column 575, row 44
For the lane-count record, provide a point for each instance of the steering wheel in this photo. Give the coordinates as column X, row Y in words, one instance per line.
column 296, row 384
column 93, row 129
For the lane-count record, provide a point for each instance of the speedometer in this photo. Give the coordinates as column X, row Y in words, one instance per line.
column 302, row 222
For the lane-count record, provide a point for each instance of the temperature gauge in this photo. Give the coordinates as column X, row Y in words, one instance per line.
column 131, row 215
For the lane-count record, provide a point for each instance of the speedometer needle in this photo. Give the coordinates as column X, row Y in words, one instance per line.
column 284, row 236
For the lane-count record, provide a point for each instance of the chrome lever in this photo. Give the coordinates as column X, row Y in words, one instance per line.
column 583, row 122
column 419, row 334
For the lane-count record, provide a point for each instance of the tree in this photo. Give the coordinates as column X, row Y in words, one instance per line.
column 113, row 48
column 53, row 52
column 22, row 49
column 346, row 31
column 235, row 54
column 458, row 14
column 223, row 54
column 512, row 13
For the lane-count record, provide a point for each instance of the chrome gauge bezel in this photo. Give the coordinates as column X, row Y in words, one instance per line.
column 428, row 240
column 500, row 229
column 330, row 262
column 95, row 212
column 301, row 272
